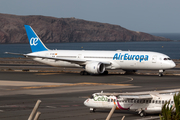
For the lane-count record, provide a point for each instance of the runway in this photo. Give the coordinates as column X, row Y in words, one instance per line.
column 63, row 94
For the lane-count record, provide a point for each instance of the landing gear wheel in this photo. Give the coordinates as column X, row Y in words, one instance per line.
column 84, row 73
column 142, row 114
column 92, row 110
column 105, row 73
column 160, row 74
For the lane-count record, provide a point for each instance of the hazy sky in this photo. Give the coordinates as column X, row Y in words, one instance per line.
column 151, row 16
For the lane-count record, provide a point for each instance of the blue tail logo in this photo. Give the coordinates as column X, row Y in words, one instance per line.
column 35, row 42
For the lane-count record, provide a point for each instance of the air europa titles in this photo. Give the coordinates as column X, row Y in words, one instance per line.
column 126, row 56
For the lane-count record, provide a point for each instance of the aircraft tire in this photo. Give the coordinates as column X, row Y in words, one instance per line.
column 160, row 74
column 105, row 73
column 142, row 114
column 85, row 73
column 92, row 111
column 82, row 73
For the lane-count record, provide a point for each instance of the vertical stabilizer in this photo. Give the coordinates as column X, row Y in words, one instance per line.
column 35, row 42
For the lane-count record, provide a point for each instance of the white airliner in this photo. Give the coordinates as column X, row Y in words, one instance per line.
column 96, row 62
column 140, row 102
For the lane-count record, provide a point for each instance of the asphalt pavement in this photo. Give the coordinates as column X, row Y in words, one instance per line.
column 62, row 94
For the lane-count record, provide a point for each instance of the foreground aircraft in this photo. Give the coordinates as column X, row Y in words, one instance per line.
column 96, row 62
column 140, row 102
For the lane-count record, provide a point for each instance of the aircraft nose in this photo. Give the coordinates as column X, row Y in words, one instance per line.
column 173, row 64
column 85, row 102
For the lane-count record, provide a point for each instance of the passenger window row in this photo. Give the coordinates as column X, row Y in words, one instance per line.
column 140, row 101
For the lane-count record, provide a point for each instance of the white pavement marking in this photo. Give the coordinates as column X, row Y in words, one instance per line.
column 50, row 106
column 25, row 83
column 131, row 79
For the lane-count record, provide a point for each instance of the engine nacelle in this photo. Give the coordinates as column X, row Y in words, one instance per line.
column 95, row 68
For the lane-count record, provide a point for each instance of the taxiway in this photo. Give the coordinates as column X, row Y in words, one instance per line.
column 62, row 94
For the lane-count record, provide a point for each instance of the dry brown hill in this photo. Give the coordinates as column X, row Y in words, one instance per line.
column 51, row 29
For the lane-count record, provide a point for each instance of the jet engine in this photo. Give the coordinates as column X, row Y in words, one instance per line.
column 95, row 68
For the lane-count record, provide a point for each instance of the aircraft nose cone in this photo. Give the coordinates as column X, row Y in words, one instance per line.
column 85, row 102
column 173, row 64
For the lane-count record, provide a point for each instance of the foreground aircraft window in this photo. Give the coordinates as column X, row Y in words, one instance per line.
column 92, row 97
column 156, row 101
column 163, row 102
column 146, row 101
column 109, row 100
column 159, row 101
column 152, row 101
column 138, row 101
column 172, row 102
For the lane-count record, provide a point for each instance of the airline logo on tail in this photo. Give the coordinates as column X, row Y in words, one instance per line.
column 33, row 41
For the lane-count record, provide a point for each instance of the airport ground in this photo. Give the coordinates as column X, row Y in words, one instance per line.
column 63, row 90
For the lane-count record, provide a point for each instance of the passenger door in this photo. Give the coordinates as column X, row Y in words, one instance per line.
column 154, row 59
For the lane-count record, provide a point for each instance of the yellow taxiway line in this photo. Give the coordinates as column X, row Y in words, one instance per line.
column 72, row 84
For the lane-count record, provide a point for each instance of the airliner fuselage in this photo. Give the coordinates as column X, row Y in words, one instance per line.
column 127, row 60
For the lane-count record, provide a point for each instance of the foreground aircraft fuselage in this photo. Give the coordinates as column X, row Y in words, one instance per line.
column 97, row 62
column 142, row 103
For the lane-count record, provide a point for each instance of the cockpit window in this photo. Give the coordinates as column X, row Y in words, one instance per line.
column 92, row 97
column 167, row 58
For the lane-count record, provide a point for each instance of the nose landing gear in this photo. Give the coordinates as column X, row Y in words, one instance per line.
column 161, row 73
column 92, row 110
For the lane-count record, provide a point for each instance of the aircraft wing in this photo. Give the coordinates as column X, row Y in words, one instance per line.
column 76, row 61
column 145, row 96
column 142, row 95
column 129, row 95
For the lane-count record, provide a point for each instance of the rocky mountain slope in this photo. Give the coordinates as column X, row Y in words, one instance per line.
column 51, row 30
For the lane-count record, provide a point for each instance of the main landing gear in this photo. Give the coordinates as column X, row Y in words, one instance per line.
column 86, row 73
column 161, row 73
column 142, row 113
